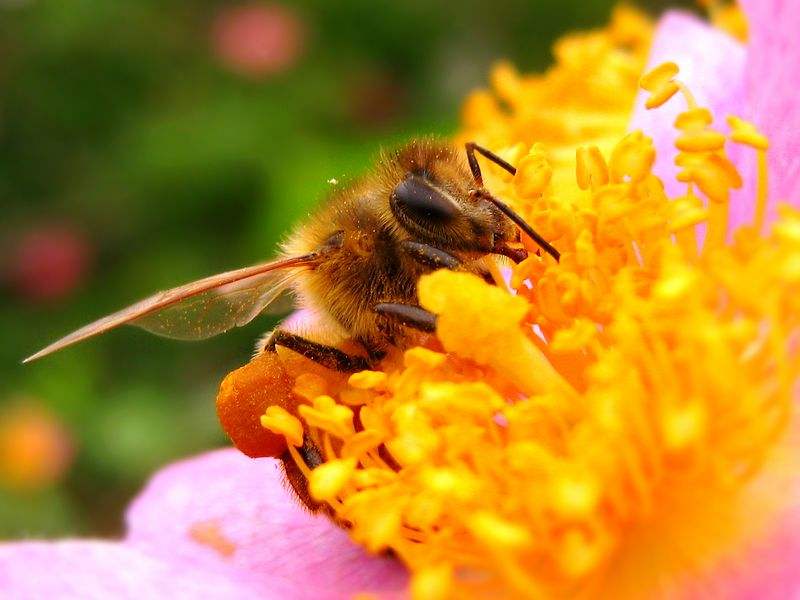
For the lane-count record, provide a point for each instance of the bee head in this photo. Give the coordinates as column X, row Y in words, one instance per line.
column 447, row 215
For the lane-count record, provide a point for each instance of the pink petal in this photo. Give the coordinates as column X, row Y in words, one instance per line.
column 100, row 570
column 757, row 82
column 768, row 569
column 772, row 81
column 711, row 64
column 257, row 529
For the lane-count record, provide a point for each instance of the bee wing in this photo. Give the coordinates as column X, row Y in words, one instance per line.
column 200, row 309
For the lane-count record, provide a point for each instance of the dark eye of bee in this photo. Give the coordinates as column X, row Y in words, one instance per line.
column 416, row 199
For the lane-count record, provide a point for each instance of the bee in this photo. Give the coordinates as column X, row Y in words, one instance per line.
column 353, row 268
column 353, row 265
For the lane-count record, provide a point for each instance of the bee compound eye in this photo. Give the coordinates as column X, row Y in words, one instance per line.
column 417, row 199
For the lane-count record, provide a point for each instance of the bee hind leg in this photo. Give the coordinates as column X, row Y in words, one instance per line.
column 327, row 356
column 312, row 457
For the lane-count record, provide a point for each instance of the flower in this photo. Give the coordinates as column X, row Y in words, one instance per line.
column 603, row 429
column 752, row 80
column 36, row 449
column 605, row 65
column 618, row 424
column 48, row 262
column 257, row 40
column 216, row 526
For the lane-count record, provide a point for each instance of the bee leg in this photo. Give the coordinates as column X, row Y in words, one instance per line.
column 434, row 258
column 294, row 476
column 327, row 356
column 375, row 352
column 429, row 255
column 472, row 148
column 408, row 315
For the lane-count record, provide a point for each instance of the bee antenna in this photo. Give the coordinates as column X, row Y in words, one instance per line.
column 520, row 222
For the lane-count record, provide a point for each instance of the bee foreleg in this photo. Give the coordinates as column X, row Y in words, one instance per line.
column 429, row 255
column 408, row 315
column 327, row 356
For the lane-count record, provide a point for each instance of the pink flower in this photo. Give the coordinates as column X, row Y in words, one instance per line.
column 223, row 525
column 756, row 81
column 48, row 262
column 258, row 39
column 217, row 526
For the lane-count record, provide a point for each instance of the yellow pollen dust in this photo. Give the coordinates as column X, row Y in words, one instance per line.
column 627, row 398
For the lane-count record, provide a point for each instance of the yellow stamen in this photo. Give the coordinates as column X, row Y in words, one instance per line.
column 328, row 479
column 591, row 169
column 367, row 380
column 694, row 119
column 499, row 533
column 688, row 97
column 602, row 427
column 361, row 443
column 700, row 141
column 632, row 158
column 746, row 133
column 279, row 421
column 328, row 415
column 533, row 173
column 487, row 341
column 659, row 82
column 432, row 583
column 728, row 17
column 310, row 385
column 423, row 358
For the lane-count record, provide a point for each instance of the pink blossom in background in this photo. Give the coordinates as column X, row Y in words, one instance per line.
column 220, row 525
column 258, row 39
column 757, row 81
column 48, row 262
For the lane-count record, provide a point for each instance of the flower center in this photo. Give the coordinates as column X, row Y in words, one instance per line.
column 626, row 399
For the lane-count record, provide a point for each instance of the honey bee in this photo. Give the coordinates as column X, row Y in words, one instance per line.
column 353, row 266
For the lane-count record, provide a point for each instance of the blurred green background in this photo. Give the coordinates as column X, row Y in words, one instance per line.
column 144, row 144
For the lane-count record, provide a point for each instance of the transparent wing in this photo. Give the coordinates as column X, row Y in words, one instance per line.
column 200, row 309
column 283, row 304
column 216, row 311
